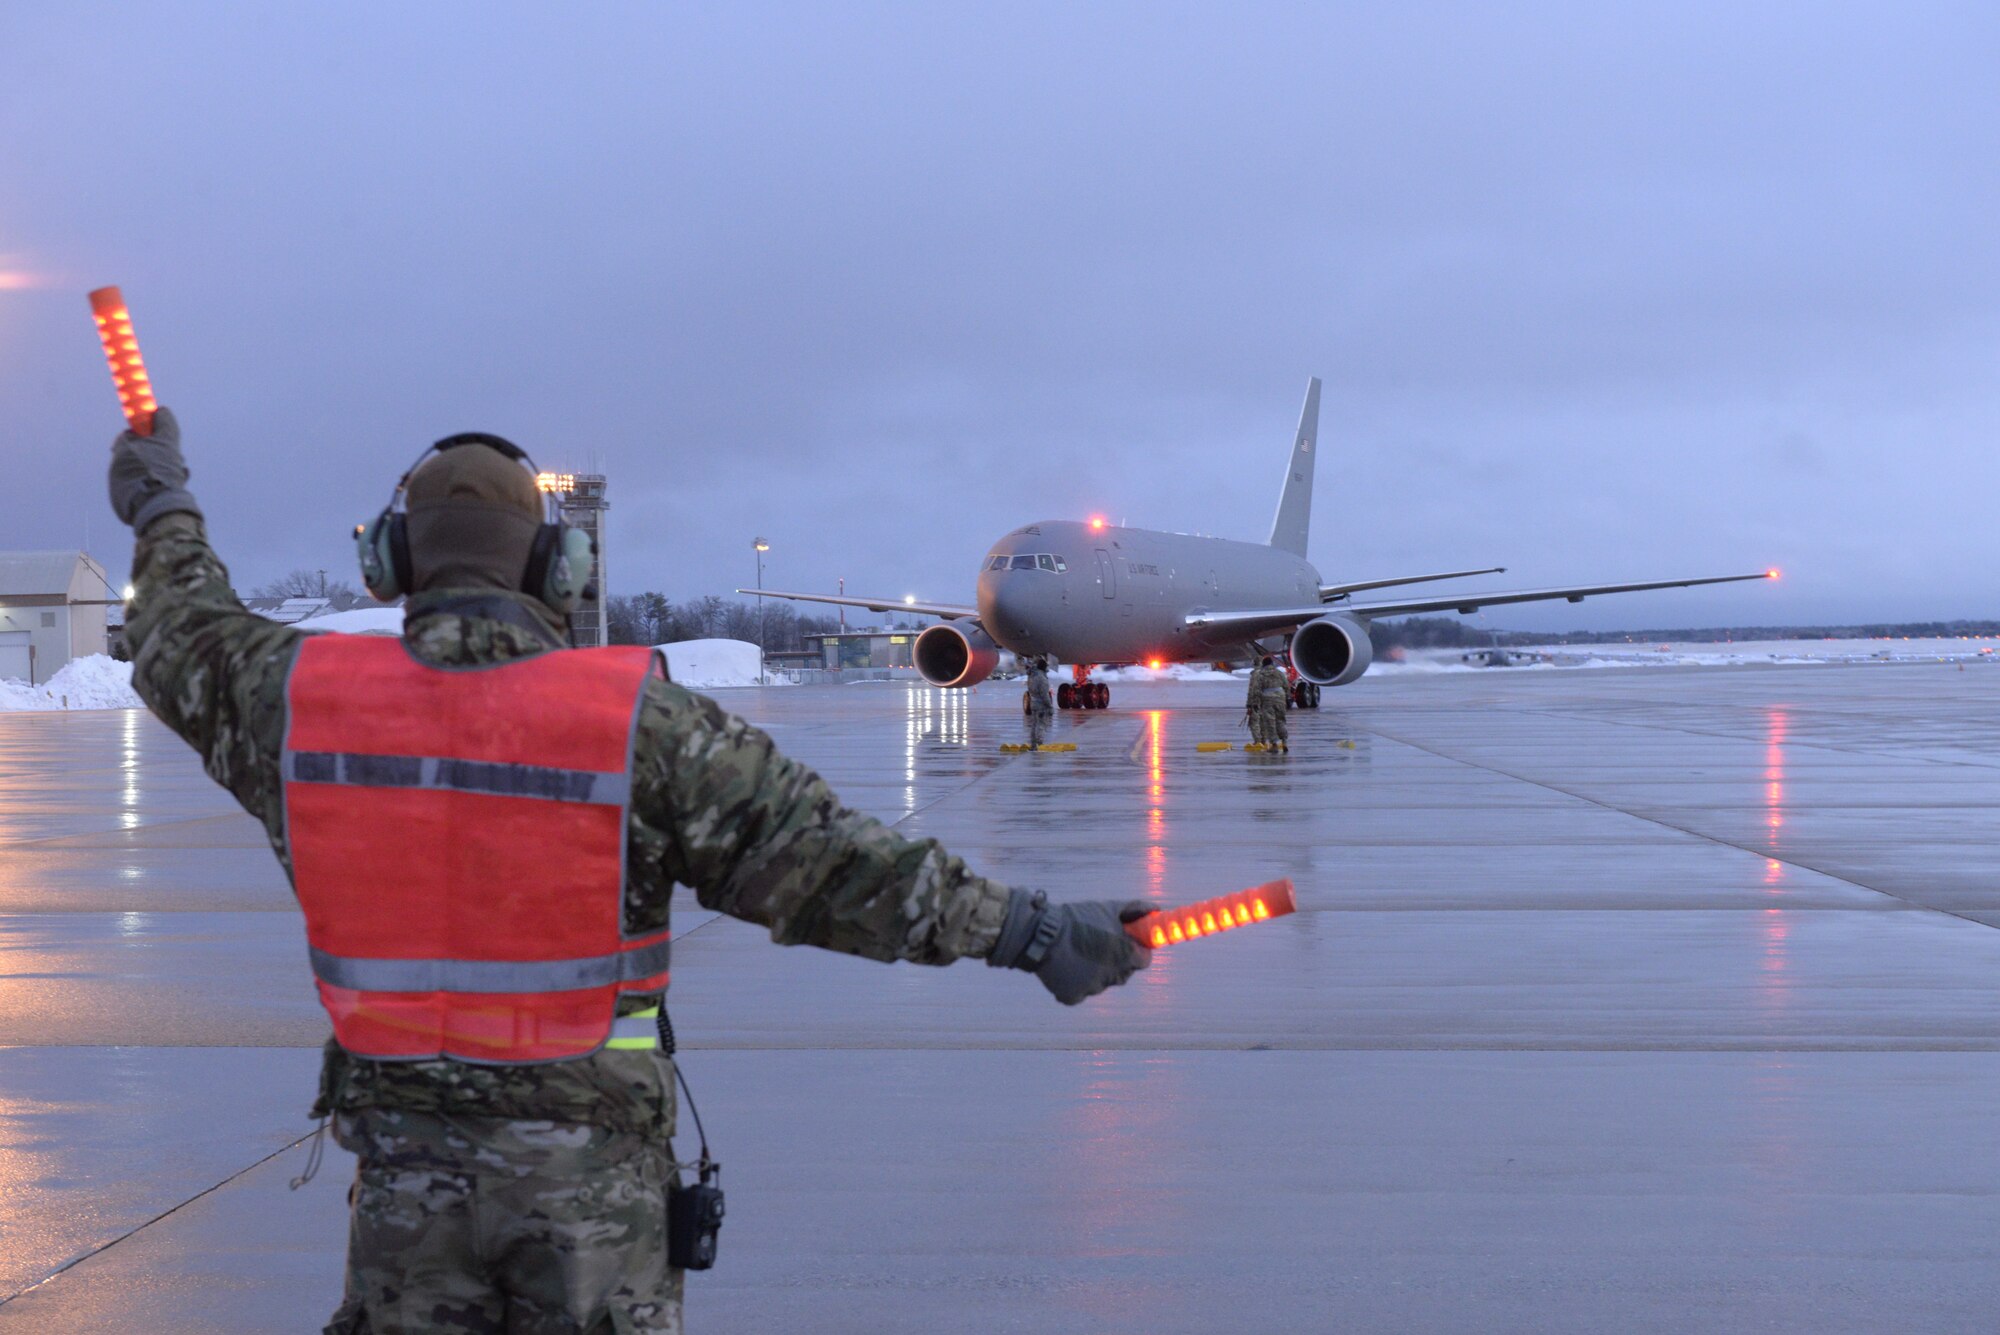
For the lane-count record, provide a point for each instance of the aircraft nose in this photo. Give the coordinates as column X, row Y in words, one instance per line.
column 1011, row 601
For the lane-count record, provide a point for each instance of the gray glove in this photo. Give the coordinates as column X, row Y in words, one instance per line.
column 149, row 476
column 1077, row 950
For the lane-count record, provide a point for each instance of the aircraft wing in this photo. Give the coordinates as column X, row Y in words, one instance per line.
column 949, row 611
column 1258, row 622
column 1335, row 592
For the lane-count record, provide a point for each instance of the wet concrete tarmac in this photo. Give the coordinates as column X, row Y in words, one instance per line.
column 1636, row 1000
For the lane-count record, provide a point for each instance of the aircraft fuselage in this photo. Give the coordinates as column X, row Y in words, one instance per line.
column 1122, row 595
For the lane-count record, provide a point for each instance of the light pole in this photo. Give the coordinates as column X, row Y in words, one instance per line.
column 762, row 547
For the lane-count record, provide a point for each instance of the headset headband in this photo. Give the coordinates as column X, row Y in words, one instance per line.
column 499, row 444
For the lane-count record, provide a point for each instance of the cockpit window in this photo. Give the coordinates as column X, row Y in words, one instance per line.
column 1047, row 563
column 1062, row 566
column 997, row 563
column 1024, row 563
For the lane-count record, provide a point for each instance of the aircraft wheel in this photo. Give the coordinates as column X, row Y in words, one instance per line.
column 1312, row 699
column 1065, row 696
column 1302, row 695
column 1102, row 696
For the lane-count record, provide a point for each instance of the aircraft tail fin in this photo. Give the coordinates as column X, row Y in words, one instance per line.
column 1289, row 529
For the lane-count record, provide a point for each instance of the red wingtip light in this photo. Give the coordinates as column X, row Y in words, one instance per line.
column 1097, row 523
column 1772, row 573
column 1155, row 664
column 1224, row 913
column 121, row 351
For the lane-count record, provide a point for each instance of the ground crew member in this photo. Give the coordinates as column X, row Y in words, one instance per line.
column 1041, row 709
column 1253, row 704
column 1270, row 693
column 493, row 1065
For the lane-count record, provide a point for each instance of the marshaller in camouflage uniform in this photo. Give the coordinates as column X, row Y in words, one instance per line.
column 1041, row 707
column 529, row 1198
column 1270, row 691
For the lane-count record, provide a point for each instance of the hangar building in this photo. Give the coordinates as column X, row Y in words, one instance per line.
column 52, row 609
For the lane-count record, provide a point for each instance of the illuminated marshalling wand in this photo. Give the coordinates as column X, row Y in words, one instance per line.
column 1168, row 927
column 121, row 349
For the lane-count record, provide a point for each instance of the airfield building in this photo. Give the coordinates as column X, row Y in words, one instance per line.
column 52, row 609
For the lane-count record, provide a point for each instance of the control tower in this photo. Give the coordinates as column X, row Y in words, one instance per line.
column 580, row 498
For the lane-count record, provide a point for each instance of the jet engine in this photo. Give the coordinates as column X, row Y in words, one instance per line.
column 1332, row 651
column 953, row 653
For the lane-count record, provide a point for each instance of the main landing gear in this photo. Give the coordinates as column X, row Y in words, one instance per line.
column 1305, row 695
column 1083, row 693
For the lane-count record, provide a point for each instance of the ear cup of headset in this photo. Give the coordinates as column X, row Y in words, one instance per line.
column 560, row 564
column 383, row 545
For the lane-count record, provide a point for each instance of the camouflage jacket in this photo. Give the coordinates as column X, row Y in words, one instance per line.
column 715, row 807
column 1038, row 689
column 1267, row 686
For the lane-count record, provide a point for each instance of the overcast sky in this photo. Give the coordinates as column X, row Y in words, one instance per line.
column 1598, row 291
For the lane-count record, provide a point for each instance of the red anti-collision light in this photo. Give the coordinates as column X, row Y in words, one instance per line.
column 121, row 350
column 1168, row 927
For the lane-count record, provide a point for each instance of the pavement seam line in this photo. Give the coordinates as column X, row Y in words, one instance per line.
column 99, row 1250
column 1667, row 825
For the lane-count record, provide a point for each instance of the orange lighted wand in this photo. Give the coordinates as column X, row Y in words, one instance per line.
column 121, row 349
column 1168, row 927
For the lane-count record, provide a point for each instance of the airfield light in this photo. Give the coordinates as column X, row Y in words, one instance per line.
column 121, row 350
column 1155, row 664
column 129, row 591
column 1224, row 913
column 561, row 483
column 910, row 600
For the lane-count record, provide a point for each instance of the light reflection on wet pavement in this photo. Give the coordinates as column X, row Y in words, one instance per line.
column 1619, row 1000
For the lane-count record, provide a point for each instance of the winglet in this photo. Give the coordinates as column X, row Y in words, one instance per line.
column 1294, row 519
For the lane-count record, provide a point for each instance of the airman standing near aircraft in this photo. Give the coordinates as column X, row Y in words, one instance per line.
column 1041, row 708
column 1253, row 704
column 1270, row 694
column 487, row 906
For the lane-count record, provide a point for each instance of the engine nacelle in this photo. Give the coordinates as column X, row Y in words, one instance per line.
column 1332, row 651
column 954, row 654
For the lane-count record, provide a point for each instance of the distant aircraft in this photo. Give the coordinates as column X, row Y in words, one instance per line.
column 1093, row 594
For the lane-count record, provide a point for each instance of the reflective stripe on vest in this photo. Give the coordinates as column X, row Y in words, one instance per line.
column 640, row 1029
column 457, row 840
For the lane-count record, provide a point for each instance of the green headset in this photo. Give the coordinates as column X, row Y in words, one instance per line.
column 560, row 559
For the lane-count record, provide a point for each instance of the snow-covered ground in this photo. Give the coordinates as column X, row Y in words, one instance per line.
column 1556, row 657
column 707, row 665
column 96, row 682
column 359, row 621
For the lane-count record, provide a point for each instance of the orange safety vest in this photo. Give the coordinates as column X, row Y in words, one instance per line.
column 458, row 844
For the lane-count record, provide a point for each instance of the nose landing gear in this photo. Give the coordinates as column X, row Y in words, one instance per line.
column 1083, row 693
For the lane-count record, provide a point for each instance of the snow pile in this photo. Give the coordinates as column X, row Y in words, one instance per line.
column 359, row 621
column 707, row 665
column 95, row 682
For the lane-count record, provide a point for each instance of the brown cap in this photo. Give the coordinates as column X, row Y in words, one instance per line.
column 477, row 474
column 473, row 516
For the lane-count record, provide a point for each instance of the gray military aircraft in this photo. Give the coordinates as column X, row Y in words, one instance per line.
column 1093, row 594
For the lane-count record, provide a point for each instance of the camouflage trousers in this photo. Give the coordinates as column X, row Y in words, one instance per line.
column 1267, row 723
column 495, row 1227
column 1039, row 718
